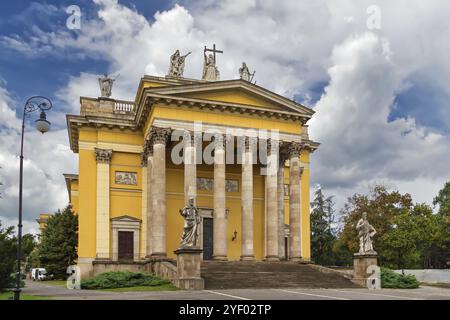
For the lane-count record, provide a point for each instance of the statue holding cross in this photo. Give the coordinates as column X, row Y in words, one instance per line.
column 210, row 70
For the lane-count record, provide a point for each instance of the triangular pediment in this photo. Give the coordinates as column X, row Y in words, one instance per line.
column 235, row 92
column 126, row 218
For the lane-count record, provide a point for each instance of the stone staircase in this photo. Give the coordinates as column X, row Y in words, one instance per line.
column 245, row 274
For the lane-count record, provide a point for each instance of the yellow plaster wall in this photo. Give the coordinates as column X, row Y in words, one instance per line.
column 234, row 96
column 225, row 119
column 74, row 190
column 305, row 218
column 87, row 203
column 175, row 201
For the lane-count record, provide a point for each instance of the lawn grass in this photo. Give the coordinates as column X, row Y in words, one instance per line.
column 163, row 287
column 9, row 294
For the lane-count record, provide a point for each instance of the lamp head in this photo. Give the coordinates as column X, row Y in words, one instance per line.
column 42, row 125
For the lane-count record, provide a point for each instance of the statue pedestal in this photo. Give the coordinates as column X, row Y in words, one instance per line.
column 361, row 264
column 188, row 265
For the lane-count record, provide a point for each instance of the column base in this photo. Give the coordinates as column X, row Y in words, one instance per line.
column 272, row 258
column 158, row 255
column 248, row 258
column 295, row 259
column 220, row 258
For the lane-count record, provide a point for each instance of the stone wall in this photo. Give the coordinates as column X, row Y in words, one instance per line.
column 429, row 275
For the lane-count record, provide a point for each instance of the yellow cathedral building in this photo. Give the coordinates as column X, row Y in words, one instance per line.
column 141, row 161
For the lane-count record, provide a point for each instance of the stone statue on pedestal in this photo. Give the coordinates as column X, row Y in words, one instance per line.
column 106, row 84
column 176, row 68
column 192, row 219
column 365, row 233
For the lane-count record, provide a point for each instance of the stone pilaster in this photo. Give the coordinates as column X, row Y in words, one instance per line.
column 294, row 202
column 158, row 230
column 103, row 158
column 144, row 204
column 247, row 202
column 148, row 156
column 220, row 219
column 272, row 202
column 190, row 168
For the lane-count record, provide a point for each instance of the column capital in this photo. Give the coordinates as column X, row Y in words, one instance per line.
column 146, row 152
column 295, row 149
column 160, row 135
column 219, row 141
column 249, row 142
column 284, row 152
column 273, row 145
column 103, row 155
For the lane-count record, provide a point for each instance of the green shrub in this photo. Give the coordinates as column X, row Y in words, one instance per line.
column 119, row 279
column 391, row 279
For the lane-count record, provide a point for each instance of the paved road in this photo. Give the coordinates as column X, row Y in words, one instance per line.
column 61, row 293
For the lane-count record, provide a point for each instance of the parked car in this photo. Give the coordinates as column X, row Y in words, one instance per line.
column 38, row 274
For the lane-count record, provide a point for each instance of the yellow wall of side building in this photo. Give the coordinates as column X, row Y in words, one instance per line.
column 74, row 196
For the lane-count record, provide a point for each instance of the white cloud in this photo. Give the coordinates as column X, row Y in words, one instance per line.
column 293, row 45
column 46, row 157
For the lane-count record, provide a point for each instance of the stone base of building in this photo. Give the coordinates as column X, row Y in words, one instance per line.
column 361, row 264
column 188, row 266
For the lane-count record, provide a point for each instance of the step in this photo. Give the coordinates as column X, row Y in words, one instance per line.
column 245, row 274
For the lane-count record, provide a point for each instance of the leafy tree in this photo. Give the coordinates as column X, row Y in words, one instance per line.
column 443, row 200
column 28, row 246
column 433, row 239
column 58, row 247
column 381, row 206
column 322, row 234
column 399, row 244
column 7, row 257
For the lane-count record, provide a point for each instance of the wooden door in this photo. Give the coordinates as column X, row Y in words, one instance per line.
column 208, row 238
column 126, row 245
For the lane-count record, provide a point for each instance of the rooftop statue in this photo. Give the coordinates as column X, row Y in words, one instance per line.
column 177, row 61
column 210, row 70
column 106, row 84
column 245, row 74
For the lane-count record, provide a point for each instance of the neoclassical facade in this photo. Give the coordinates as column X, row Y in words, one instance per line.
column 240, row 151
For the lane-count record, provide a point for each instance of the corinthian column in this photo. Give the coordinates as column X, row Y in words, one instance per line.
column 103, row 158
column 247, row 202
column 280, row 176
column 190, row 168
column 294, row 202
column 220, row 219
column 272, row 202
column 158, row 229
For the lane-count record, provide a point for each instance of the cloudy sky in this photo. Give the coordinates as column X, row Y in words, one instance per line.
column 375, row 72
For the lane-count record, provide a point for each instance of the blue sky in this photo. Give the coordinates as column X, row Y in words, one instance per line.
column 45, row 74
column 381, row 95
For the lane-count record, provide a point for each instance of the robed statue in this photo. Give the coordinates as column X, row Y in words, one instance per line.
column 192, row 219
column 106, row 84
column 244, row 73
column 210, row 71
column 177, row 61
column 365, row 233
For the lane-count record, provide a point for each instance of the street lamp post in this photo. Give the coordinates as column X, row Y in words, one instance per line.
column 42, row 125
